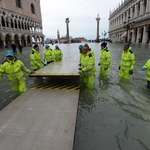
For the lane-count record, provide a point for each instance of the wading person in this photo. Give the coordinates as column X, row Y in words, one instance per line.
column 14, row 69
column 146, row 68
column 87, row 69
column 57, row 53
column 36, row 61
column 105, row 60
column 127, row 62
column 48, row 54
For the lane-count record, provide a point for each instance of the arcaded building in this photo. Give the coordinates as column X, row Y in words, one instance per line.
column 130, row 21
column 20, row 22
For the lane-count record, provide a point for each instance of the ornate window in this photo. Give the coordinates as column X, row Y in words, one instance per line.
column 32, row 9
column 18, row 3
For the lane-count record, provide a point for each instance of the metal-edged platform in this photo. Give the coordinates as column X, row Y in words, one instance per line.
column 62, row 68
column 43, row 118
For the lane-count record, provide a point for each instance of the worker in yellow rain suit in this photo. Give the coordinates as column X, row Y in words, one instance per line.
column 87, row 69
column 57, row 53
column 14, row 70
column 35, row 58
column 127, row 62
column 146, row 68
column 48, row 54
column 105, row 60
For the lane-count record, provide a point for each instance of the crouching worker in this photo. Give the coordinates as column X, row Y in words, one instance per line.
column 146, row 68
column 14, row 70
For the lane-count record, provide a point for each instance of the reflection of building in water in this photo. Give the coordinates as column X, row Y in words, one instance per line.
column 130, row 22
column 20, row 22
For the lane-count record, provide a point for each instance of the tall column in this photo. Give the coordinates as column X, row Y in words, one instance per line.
column 136, row 11
column 148, row 6
column 133, row 36
column 67, row 26
column 145, row 35
column 138, row 35
column 141, row 8
column 98, row 20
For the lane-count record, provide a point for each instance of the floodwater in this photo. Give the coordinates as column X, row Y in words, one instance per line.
column 115, row 114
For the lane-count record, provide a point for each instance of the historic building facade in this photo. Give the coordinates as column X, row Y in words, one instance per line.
column 130, row 22
column 20, row 22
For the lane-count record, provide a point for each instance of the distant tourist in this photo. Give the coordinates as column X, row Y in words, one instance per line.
column 20, row 48
column 14, row 47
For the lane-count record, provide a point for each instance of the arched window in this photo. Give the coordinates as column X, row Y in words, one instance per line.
column 18, row 3
column 32, row 9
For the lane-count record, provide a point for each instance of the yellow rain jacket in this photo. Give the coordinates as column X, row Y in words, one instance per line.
column 147, row 68
column 36, row 60
column 15, row 73
column 48, row 55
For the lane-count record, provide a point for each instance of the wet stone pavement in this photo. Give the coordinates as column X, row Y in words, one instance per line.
column 115, row 114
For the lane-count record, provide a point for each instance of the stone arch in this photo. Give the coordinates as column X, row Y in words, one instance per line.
column 17, row 39
column 23, row 40
column 8, row 39
column 29, row 40
column 2, row 41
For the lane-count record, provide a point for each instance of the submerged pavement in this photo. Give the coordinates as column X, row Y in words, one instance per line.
column 115, row 114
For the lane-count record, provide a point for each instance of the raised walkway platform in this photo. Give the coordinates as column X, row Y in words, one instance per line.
column 43, row 118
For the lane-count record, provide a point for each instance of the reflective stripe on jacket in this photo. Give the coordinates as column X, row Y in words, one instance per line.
column 14, row 69
column 105, row 57
column 36, row 60
column 127, row 60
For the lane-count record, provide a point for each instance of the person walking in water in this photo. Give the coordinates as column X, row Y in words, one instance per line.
column 105, row 60
column 57, row 53
column 146, row 68
column 35, row 58
column 14, row 69
column 48, row 54
column 127, row 62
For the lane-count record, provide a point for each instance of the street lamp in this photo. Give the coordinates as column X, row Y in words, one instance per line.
column 67, row 25
column 128, row 26
column 104, row 35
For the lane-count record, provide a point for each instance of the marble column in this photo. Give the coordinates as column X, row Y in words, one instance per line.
column 136, row 11
column 138, row 35
column 145, row 35
column 148, row 6
column 133, row 36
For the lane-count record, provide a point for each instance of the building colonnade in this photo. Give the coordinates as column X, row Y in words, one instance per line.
column 19, row 29
column 135, row 14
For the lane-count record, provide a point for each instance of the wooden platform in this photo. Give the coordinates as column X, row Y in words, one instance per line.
column 62, row 68
column 43, row 118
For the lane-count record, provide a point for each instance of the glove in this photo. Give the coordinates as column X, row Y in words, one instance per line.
column 143, row 69
column 79, row 65
column 130, row 72
column 119, row 68
column 106, row 68
column 32, row 72
column 79, row 69
column 99, row 64
column 45, row 64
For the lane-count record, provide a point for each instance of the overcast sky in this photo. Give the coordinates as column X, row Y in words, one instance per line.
column 82, row 15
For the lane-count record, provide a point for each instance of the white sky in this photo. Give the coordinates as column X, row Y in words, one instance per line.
column 82, row 15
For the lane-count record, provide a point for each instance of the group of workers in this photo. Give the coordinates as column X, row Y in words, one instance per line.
column 126, row 65
column 15, row 69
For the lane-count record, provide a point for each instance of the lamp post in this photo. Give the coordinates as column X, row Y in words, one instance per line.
column 98, row 20
column 104, row 35
column 67, row 26
column 128, row 26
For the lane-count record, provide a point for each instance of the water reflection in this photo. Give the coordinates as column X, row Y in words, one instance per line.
column 114, row 114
